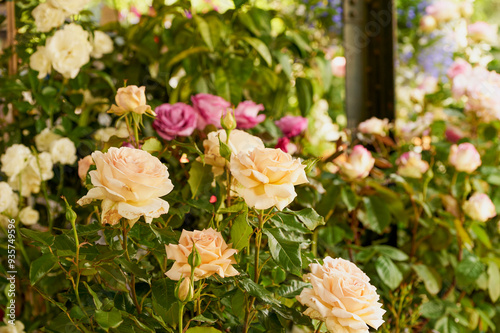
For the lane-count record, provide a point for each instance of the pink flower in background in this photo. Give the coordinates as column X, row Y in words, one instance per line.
column 285, row 145
column 453, row 134
column 357, row 165
column 247, row 114
column 411, row 165
column 460, row 66
column 479, row 207
column 210, row 109
column 292, row 126
column 338, row 66
column 173, row 120
column 443, row 10
column 483, row 32
column 465, row 157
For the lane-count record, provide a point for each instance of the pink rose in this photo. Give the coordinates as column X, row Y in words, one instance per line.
column 443, row 10
column 460, row 66
column 338, row 66
column 174, row 120
column 465, row 157
column 342, row 297
column 479, row 207
column 210, row 109
column 357, row 165
column 216, row 255
column 411, row 165
column 285, row 145
column 292, row 126
column 247, row 116
column 483, row 32
column 453, row 134
column 84, row 166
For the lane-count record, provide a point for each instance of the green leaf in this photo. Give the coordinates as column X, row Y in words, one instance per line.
column 389, row 273
column 310, row 218
column 261, row 48
column 164, row 301
column 222, row 85
column 493, row 281
column 204, row 30
column 202, row 329
column 241, row 231
column 45, row 238
column 41, row 266
column 469, row 270
column 391, row 252
column 431, row 278
column 97, row 301
column 258, row 291
column 376, row 215
column 285, row 252
column 199, row 176
column 432, row 309
column 348, row 198
column 151, row 145
column 107, row 320
column 481, row 234
column 186, row 53
column 224, row 150
column 294, row 289
column 304, row 95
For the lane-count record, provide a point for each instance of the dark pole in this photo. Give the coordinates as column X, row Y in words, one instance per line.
column 369, row 40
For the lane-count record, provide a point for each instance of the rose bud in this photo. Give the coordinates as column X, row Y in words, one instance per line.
column 184, row 290
column 131, row 99
column 411, row 165
column 479, row 207
column 464, row 157
column 357, row 165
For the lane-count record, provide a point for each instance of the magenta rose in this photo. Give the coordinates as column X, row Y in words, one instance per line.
column 292, row 126
column 210, row 109
column 173, row 120
column 247, row 114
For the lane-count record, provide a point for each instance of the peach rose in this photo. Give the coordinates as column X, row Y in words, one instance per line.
column 266, row 177
column 216, row 255
column 479, row 207
column 411, row 165
column 342, row 297
column 84, row 166
column 357, row 165
column 239, row 141
column 130, row 183
column 131, row 99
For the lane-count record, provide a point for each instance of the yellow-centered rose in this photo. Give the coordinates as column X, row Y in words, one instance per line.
column 131, row 99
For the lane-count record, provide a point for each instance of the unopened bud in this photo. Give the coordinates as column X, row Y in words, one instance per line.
column 184, row 290
column 70, row 213
column 194, row 259
column 228, row 121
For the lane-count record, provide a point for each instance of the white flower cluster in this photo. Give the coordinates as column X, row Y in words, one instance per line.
column 62, row 150
column 69, row 48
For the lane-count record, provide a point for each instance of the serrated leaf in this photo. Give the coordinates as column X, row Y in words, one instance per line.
column 241, row 232
column 41, row 266
column 389, row 273
column 199, row 176
column 107, row 320
column 286, row 253
column 493, row 281
column 431, row 279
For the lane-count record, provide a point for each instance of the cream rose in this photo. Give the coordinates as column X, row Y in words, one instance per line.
column 130, row 182
column 479, row 207
column 216, row 255
column 69, row 49
column 239, row 141
column 342, row 297
column 42, row 166
column 411, row 165
column 105, row 134
column 9, row 328
column 45, row 139
column 48, row 17
column 131, row 99
column 72, row 7
column 63, row 151
column 7, row 196
column 266, row 177
column 357, row 165
column 29, row 216
column 465, row 157
column 40, row 62
column 101, row 44
column 374, row 126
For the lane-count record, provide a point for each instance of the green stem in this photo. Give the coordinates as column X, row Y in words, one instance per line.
column 258, row 242
column 319, row 327
column 314, row 243
column 181, row 315
column 77, row 263
column 133, row 293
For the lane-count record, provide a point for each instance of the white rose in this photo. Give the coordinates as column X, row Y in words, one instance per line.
column 374, row 126
column 43, row 166
column 17, row 328
column 30, row 182
column 63, row 151
column 47, row 17
column 45, row 139
column 479, row 207
column 72, row 7
column 69, row 49
column 101, row 44
column 105, row 134
column 266, row 177
column 29, row 216
column 6, row 196
column 14, row 160
column 40, row 62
